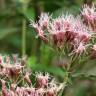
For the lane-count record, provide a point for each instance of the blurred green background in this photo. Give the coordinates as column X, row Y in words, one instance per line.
column 16, row 36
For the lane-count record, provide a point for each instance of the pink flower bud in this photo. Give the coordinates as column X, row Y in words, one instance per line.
column 15, row 58
column 7, row 59
column 94, row 47
column 42, row 80
column 1, row 59
column 27, row 79
column 80, row 48
column 89, row 15
column 50, row 92
column 4, row 89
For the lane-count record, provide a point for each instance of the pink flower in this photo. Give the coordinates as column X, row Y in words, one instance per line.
column 38, row 29
column 10, row 69
column 4, row 89
column 15, row 58
column 41, row 26
column 44, row 20
column 42, row 80
column 7, row 59
column 82, row 31
column 94, row 47
column 89, row 16
column 1, row 59
column 42, row 23
column 89, row 13
column 19, row 91
column 51, row 92
column 58, row 28
column 27, row 78
column 80, row 48
column 64, row 29
column 40, row 92
column 61, row 24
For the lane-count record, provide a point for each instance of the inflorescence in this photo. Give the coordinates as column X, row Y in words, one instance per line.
column 76, row 32
column 15, row 79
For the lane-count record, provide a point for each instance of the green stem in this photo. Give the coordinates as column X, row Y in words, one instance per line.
column 24, row 32
column 64, row 84
column 66, row 77
column 23, row 37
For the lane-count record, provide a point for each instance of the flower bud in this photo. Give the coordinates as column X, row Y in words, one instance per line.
column 27, row 79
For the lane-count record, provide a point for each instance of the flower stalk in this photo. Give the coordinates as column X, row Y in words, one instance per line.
column 24, row 8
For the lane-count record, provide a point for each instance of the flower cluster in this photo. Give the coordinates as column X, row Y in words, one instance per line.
column 10, row 68
column 75, row 31
column 89, row 16
column 15, row 80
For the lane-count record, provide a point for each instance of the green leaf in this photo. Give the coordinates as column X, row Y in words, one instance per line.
column 80, row 91
column 31, row 61
column 51, row 69
column 41, row 67
column 30, row 14
column 7, row 31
